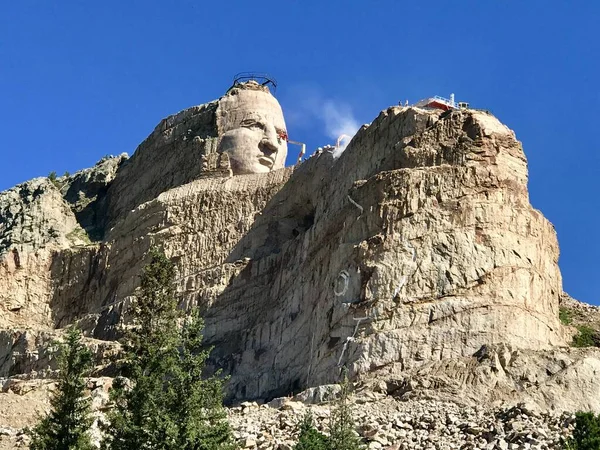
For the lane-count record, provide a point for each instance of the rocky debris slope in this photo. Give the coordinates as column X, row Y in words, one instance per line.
column 385, row 423
column 582, row 321
column 25, row 400
column 382, row 421
column 581, row 313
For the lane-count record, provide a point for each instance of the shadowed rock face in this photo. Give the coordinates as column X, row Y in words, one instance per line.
column 172, row 155
column 416, row 245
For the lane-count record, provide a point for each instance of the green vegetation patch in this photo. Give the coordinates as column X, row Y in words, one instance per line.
column 78, row 234
column 342, row 434
column 165, row 403
column 309, row 437
column 57, row 181
column 587, row 337
column 586, row 435
column 67, row 424
column 565, row 315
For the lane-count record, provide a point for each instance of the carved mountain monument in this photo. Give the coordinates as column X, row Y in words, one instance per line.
column 416, row 251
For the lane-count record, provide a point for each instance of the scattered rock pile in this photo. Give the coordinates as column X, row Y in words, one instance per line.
column 385, row 423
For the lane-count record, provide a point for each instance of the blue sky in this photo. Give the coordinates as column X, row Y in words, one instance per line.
column 79, row 80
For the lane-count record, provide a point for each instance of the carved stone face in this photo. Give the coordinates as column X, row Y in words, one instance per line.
column 250, row 123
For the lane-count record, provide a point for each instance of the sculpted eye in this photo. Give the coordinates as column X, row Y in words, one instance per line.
column 251, row 123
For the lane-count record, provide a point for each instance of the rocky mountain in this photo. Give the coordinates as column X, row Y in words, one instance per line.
column 414, row 258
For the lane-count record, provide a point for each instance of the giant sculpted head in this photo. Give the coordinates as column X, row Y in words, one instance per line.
column 251, row 129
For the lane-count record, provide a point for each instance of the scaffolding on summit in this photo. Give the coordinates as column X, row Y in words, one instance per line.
column 445, row 104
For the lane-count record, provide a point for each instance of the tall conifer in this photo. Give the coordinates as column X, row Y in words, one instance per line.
column 341, row 423
column 163, row 402
column 67, row 425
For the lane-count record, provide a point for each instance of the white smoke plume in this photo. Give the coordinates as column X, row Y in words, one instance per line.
column 339, row 120
column 336, row 117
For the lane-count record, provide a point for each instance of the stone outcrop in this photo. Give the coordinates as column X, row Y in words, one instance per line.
column 29, row 354
column 35, row 221
column 578, row 316
column 86, row 193
column 414, row 255
column 40, row 219
column 34, row 217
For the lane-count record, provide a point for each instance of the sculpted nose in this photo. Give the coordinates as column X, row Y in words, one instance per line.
column 269, row 141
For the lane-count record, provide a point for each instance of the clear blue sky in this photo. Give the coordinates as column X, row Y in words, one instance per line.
column 79, row 80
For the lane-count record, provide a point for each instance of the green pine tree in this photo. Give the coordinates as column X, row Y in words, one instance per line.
column 309, row 437
column 586, row 435
column 197, row 402
column 163, row 402
column 66, row 426
column 341, row 426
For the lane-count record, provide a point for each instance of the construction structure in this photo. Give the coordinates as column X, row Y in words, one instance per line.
column 284, row 136
column 264, row 79
column 445, row 104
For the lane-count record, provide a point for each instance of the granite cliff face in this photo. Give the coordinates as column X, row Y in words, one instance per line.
column 415, row 247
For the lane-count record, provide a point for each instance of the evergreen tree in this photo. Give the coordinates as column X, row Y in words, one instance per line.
column 66, row 426
column 341, row 426
column 586, row 435
column 163, row 402
column 310, row 438
column 196, row 401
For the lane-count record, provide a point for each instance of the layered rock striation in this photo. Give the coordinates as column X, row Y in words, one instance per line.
column 417, row 244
